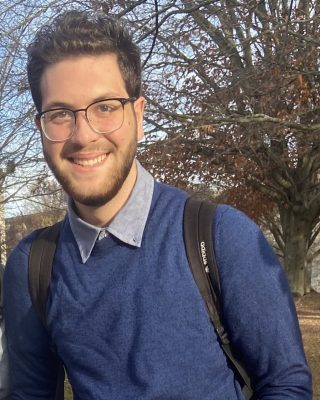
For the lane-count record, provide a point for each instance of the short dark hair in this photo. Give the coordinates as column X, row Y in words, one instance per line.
column 76, row 33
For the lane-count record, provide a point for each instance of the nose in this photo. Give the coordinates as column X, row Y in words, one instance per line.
column 83, row 133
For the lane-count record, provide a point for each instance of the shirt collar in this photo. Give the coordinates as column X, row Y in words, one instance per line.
column 129, row 223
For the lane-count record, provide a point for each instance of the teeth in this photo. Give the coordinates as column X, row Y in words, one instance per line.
column 89, row 162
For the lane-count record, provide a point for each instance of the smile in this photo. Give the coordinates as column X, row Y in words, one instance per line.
column 90, row 162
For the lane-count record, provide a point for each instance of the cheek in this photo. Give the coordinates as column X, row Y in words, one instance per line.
column 119, row 141
column 125, row 137
column 53, row 150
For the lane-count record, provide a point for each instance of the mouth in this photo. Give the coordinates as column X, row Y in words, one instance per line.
column 90, row 162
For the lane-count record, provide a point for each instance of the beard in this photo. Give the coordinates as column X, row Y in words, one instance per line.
column 112, row 185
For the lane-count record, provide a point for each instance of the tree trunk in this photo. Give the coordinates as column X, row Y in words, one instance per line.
column 307, row 279
column 296, row 232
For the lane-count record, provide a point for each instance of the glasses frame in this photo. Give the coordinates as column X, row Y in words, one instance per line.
column 40, row 115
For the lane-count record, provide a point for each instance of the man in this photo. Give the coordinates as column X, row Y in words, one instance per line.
column 124, row 313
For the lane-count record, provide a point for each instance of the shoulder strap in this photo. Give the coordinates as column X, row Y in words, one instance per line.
column 197, row 252
column 198, row 220
column 40, row 270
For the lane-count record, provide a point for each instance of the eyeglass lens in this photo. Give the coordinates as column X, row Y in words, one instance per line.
column 103, row 117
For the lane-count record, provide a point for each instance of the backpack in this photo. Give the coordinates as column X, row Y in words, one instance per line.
column 200, row 252
column 4, row 363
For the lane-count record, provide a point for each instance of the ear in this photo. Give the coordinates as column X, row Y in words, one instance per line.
column 37, row 124
column 139, row 111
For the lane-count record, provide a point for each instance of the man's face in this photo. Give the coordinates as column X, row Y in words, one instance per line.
column 91, row 167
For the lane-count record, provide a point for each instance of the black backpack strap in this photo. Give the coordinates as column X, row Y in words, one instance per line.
column 40, row 270
column 198, row 220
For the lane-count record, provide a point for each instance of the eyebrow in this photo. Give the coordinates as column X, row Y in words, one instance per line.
column 57, row 104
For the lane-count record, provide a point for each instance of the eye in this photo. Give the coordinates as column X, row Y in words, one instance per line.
column 104, row 107
column 57, row 116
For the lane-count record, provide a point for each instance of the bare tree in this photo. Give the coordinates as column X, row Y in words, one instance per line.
column 233, row 101
column 234, row 89
column 21, row 161
column 45, row 204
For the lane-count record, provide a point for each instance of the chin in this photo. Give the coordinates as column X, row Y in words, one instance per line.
column 104, row 191
column 99, row 198
column 94, row 200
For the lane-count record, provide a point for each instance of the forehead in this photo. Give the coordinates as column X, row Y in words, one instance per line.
column 82, row 79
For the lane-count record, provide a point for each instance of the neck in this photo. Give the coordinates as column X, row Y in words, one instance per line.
column 101, row 216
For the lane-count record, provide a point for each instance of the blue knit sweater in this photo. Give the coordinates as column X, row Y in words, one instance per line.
column 130, row 323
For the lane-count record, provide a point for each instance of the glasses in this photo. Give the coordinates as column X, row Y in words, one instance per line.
column 103, row 116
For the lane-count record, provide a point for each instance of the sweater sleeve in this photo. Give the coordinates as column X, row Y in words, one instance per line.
column 31, row 362
column 258, row 309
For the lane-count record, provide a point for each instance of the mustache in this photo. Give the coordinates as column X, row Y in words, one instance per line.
column 70, row 149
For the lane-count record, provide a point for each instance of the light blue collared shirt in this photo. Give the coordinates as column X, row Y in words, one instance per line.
column 128, row 224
